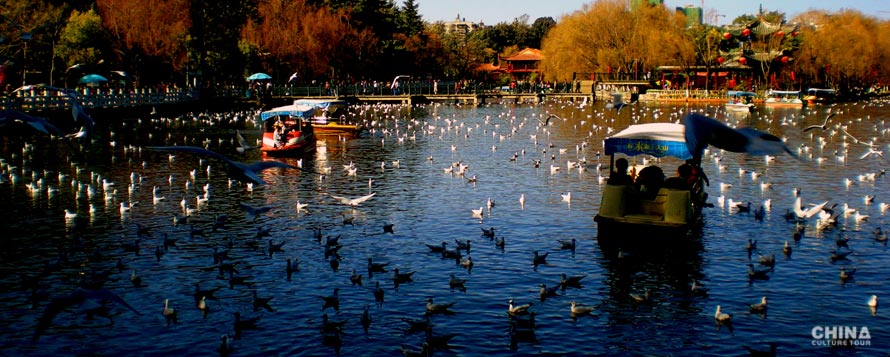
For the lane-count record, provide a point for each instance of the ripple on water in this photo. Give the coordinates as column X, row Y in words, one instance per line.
column 428, row 206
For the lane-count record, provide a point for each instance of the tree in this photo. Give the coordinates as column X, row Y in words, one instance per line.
column 151, row 35
column 705, row 41
column 83, row 39
column 28, row 33
column 213, row 41
column 607, row 36
column 843, row 50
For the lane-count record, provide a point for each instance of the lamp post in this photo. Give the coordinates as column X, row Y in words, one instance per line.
column 26, row 36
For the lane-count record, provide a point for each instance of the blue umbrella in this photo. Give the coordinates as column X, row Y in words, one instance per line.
column 258, row 77
column 92, row 78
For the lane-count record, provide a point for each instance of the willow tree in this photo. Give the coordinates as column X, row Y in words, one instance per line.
column 844, row 50
column 608, row 36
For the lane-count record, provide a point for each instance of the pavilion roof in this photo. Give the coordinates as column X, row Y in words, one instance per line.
column 527, row 54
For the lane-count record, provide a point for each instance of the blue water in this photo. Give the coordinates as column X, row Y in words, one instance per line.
column 426, row 205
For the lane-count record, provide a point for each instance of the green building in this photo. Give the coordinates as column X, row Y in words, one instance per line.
column 693, row 15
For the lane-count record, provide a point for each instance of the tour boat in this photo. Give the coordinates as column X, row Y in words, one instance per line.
column 783, row 99
column 623, row 216
column 739, row 101
column 328, row 117
column 286, row 133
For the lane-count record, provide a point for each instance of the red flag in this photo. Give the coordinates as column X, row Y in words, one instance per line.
column 792, row 76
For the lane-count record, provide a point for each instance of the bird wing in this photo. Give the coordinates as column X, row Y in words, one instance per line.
column 191, row 149
column 357, row 201
column 242, row 142
column 341, row 199
column 39, row 124
column 702, row 131
column 856, row 140
column 811, row 127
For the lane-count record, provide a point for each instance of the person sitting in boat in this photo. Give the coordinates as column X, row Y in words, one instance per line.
column 681, row 181
column 619, row 176
column 649, row 181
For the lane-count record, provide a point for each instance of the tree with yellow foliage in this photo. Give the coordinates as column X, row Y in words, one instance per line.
column 607, row 35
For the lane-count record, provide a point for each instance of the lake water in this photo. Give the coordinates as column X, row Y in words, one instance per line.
column 427, row 206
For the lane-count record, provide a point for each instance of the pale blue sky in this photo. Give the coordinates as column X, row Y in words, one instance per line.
column 494, row 11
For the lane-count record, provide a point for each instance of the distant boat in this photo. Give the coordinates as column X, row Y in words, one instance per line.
column 820, row 96
column 783, row 99
column 739, row 101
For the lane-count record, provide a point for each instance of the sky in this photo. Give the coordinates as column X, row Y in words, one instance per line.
column 492, row 12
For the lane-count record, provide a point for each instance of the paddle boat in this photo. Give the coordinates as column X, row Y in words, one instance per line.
column 624, row 216
column 783, row 99
column 328, row 117
column 739, row 101
column 823, row 96
column 287, row 133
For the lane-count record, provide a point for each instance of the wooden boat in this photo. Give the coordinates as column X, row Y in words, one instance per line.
column 286, row 134
column 783, row 99
column 739, row 101
column 623, row 215
column 820, row 96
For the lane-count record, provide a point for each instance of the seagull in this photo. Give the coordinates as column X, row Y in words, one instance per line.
column 437, row 308
column 760, row 307
column 702, row 131
column 39, row 124
column 722, row 317
column 78, row 297
column 477, row 213
column 546, row 122
column 517, row 309
column 810, row 212
column 578, row 310
column 354, row 202
column 824, row 125
column 243, row 146
column 617, row 103
column 246, row 173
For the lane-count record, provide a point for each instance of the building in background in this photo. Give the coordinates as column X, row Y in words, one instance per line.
column 461, row 27
column 693, row 15
column 635, row 4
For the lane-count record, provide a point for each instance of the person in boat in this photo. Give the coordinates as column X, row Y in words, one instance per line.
column 619, row 175
column 681, row 181
column 649, row 181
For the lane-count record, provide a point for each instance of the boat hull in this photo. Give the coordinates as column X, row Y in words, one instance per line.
column 739, row 108
column 294, row 147
column 624, row 219
column 336, row 129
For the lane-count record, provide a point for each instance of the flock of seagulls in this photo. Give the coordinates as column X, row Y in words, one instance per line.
column 237, row 278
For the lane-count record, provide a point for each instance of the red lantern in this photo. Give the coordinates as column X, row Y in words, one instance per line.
column 746, row 32
column 743, row 60
column 780, row 33
column 784, row 59
column 720, row 60
column 727, row 35
column 793, row 33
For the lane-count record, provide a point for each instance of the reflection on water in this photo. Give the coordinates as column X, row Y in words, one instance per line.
column 404, row 161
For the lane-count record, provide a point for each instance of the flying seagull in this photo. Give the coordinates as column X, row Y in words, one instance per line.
column 824, row 125
column 616, row 103
column 546, row 122
column 77, row 113
column 353, row 201
column 42, row 125
column 247, row 173
column 702, row 131
column 243, row 146
column 76, row 298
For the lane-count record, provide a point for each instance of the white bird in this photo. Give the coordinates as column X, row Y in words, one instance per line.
column 578, row 310
column 722, row 317
column 810, row 212
column 567, row 197
column 873, row 302
column 477, row 213
column 353, row 201
column 517, row 309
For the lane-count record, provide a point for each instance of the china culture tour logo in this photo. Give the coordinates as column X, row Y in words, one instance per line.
column 841, row 336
